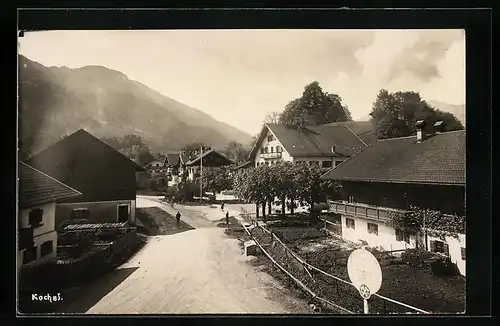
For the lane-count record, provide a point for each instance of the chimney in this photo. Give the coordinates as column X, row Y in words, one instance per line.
column 332, row 149
column 420, row 130
column 439, row 127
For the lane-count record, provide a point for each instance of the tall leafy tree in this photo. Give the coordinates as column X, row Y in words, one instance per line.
column 216, row 179
column 314, row 107
column 236, row 152
column 395, row 114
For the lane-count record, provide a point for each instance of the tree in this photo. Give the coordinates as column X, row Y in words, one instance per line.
column 216, row 179
column 142, row 155
column 236, row 152
column 128, row 141
column 272, row 117
column 315, row 107
column 395, row 115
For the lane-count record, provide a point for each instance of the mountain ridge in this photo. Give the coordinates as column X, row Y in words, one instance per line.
column 56, row 101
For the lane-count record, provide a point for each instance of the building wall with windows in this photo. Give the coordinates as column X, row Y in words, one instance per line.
column 272, row 151
column 42, row 220
column 375, row 233
column 98, row 212
column 450, row 246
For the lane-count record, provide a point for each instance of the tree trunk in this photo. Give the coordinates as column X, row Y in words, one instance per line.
column 269, row 208
column 292, row 203
column 264, row 209
column 283, row 206
column 257, row 210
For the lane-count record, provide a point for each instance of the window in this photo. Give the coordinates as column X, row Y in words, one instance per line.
column 351, row 199
column 326, row 164
column 349, row 223
column 272, row 149
column 402, row 236
column 266, row 149
column 80, row 213
column 29, row 255
column 462, row 249
column 440, row 247
column 262, row 150
column 36, row 217
column 270, row 138
column 278, row 149
column 122, row 213
column 372, row 228
column 46, row 248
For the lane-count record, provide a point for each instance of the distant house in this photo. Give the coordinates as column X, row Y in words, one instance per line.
column 426, row 171
column 243, row 166
column 173, row 163
column 105, row 176
column 156, row 165
column 38, row 194
column 326, row 145
column 211, row 158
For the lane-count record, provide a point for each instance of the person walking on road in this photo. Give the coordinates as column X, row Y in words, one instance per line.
column 222, row 206
column 227, row 219
column 178, row 219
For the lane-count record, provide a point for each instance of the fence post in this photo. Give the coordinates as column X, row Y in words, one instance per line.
column 366, row 307
column 337, row 284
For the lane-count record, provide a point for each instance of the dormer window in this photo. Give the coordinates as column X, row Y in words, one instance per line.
column 36, row 217
column 270, row 138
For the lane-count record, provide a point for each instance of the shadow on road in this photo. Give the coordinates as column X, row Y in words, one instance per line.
column 80, row 300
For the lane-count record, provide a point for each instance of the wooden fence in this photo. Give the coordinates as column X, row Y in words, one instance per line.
column 310, row 269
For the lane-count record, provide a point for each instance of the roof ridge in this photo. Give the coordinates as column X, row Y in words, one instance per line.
column 52, row 178
column 355, row 134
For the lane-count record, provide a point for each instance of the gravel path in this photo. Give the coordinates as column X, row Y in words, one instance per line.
column 197, row 271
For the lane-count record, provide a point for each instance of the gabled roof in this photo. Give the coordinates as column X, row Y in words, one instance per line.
column 244, row 165
column 210, row 158
column 439, row 159
column 313, row 140
column 172, row 159
column 37, row 188
column 363, row 129
column 73, row 143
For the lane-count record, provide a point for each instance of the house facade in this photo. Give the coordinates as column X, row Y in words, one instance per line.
column 38, row 194
column 327, row 145
column 394, row 175
column 106, row 178
column 208, row 159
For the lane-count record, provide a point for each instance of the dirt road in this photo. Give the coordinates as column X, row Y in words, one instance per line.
column 197, row 271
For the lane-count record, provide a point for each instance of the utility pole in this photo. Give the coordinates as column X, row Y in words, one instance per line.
column 425, row 234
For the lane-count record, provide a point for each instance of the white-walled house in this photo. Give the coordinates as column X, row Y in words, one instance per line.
column 394, row 175
column 38, row 194
column 325, row 145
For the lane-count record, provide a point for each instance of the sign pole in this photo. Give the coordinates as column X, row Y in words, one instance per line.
column 366, row 308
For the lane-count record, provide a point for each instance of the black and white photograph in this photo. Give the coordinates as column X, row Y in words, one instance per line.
column 241, row 171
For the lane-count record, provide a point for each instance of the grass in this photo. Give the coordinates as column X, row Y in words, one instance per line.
column 400, row 282
column 158, row 222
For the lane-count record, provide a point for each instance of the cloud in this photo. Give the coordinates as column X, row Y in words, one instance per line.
column 238, row 76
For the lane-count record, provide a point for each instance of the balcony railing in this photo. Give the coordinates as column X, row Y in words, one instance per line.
column 363, row 210
column 271, row 155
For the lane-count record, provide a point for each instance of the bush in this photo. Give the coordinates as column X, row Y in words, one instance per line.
column 152, row 184
column 172, row 191
column 429, row 262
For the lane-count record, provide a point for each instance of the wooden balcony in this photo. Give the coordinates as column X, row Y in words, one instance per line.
column 271, row 155
column 363, row 210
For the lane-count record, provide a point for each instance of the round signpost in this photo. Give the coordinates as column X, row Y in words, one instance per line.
column 365, row 274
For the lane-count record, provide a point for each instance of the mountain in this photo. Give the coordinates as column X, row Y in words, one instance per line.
column 56, row 101
column 456, row 110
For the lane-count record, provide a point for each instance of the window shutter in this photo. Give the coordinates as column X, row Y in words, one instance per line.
column 446, row 249
column 433, row 245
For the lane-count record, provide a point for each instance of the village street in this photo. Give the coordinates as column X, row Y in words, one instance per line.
column 197, row 271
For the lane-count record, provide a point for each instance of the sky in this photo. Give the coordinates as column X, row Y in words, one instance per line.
column 239, row 76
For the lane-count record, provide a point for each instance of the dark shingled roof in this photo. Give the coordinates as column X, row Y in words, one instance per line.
column 318, row 140
column 213, row 159
column 37, row 188
column 363, row 129
column 439, row 159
